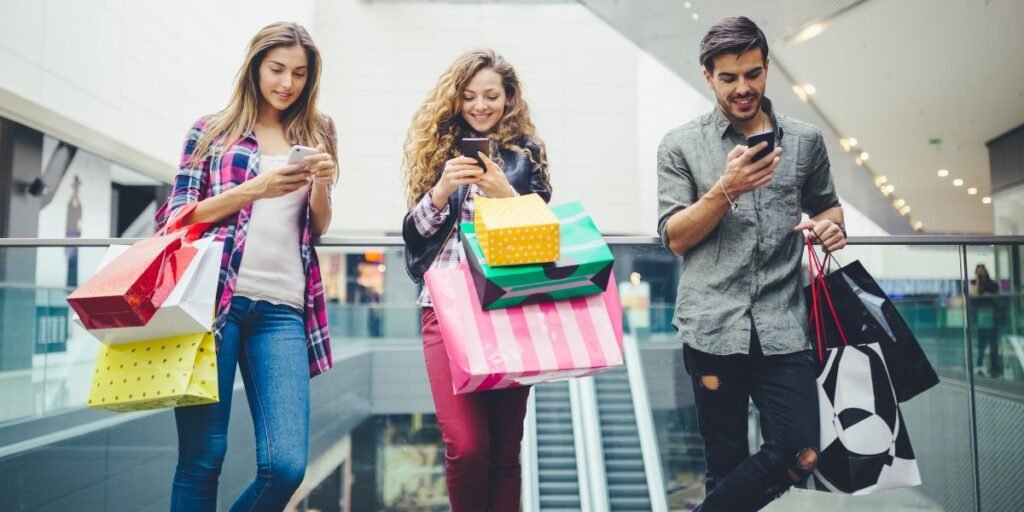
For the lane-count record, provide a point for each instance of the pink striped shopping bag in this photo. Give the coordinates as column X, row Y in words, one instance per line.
column 523, row 345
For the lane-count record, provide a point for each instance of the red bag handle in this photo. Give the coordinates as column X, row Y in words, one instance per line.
column 192, row 231
column 816, row 282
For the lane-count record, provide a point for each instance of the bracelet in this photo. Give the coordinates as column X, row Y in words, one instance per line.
column 733, row 206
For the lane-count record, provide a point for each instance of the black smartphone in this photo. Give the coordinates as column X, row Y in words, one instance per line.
column 470, row 146
column 756, row 139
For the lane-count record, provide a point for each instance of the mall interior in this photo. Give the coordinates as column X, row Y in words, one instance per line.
column 920, row 103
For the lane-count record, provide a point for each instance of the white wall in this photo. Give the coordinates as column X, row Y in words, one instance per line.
column 139, row 72
column 580, row 79
column 126, row 76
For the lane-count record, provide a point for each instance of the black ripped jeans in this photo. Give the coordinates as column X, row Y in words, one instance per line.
column 784, row 391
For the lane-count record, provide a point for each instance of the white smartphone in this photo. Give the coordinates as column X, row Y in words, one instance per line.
column 298, row 154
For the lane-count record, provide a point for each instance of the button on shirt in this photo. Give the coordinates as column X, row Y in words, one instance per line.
column 746, row 273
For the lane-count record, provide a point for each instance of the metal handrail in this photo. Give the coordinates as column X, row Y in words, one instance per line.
column 587, row 438
column 645, row 424
column 396, row 241
column 528, row 459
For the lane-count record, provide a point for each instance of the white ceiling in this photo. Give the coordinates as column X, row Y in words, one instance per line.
column 896, row 73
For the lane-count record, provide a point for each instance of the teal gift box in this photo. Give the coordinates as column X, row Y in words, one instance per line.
column 583, row 269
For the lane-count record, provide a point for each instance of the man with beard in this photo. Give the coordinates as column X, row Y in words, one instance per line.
column 740, row 310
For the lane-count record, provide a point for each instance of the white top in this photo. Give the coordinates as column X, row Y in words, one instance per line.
column 271, row 268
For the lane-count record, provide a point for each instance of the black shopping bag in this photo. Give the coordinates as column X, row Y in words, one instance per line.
column 865, row 447
column 863, row 308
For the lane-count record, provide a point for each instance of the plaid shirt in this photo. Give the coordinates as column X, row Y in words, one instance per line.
column 429, row 219
column 217, row 174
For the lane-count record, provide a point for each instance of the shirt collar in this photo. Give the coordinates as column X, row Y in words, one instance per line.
column 723, row 124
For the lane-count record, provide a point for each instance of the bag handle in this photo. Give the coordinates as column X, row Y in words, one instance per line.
column 816, row 314
column 192, row 231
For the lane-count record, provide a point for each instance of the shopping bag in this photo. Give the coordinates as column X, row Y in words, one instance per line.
column 865, row 309
column 188, row 309
column 516, row 230
column 865, row 447
column 128, row 291
column 155, row 374
column 523, row 345
column 583, row 268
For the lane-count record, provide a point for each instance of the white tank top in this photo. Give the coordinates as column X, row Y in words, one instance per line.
column 271, row 268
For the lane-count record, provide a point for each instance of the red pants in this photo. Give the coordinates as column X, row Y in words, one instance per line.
column 482, row 433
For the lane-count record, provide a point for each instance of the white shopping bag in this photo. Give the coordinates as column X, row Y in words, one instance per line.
column 188, row 309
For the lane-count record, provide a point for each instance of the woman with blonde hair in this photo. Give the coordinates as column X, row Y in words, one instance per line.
column 479, row 95
column 270, row 315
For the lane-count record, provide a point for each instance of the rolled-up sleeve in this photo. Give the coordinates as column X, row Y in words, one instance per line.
column 676, row 187
column 427, row 218
column 819, row 192
column 191, row 181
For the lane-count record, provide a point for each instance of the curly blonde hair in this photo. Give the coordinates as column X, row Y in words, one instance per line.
column 438, row 123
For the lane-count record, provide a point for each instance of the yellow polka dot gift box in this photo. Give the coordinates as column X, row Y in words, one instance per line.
column 169, row 372
column 516, row 230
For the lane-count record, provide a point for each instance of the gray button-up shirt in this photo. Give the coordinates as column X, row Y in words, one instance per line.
column 747, row 271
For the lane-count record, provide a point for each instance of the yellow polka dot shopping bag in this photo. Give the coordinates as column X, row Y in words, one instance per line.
column 516, row 230
column 169, row 372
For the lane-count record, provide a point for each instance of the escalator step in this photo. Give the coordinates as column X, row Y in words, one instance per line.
column 559, row 503
column 629, row 490
column 546, row 463
column 627, row 477
column 622, row 453
column 558, row 475
column 630, row 503
column 624, row 465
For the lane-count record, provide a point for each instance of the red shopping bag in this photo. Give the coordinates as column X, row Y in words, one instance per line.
column 128, row 291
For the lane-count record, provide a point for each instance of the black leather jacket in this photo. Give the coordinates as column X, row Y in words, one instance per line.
column 523, row 173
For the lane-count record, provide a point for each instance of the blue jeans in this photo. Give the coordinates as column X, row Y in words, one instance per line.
column 784, row 389
column 268, row 343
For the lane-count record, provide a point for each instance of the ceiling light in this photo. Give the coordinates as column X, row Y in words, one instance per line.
column 880, row 180
column 695, row 16
column 810, row 89
column 899, row 203
column 808, row 32
column 918, row 226
column 972, row 191
column 799, row 91
column 905, row 210
column 845, row 144
column 864, row 156
column 686, row 4
column 943, row 173
column 986, row 200
column 889, row 189
column 852, row 141
column 958, row 182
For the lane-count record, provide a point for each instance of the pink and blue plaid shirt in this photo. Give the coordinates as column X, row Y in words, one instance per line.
column 217, row 174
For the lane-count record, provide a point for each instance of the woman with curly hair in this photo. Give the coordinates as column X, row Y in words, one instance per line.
column 478, row 96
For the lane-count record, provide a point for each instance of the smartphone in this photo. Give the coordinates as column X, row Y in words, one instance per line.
column 756, row 139
column 298, row 154
column 470, row 146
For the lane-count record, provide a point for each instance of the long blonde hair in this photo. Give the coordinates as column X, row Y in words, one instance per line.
column 438, row 123
column 302, row 122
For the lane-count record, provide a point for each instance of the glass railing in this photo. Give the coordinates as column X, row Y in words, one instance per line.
column 965, row 432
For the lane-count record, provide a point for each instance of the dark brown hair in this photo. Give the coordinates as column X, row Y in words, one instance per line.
column 731, row 36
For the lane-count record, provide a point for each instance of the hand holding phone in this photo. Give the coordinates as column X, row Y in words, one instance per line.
column 298, row 154
column 471, row 146
column 754, row 140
